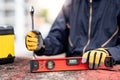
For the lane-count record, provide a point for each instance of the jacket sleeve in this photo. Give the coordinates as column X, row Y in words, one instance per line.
column 115, row 51
column 56, row 41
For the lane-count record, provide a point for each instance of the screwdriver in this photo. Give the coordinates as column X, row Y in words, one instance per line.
column 32, row 18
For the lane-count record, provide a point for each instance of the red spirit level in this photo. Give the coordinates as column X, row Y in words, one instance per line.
column 63, row 64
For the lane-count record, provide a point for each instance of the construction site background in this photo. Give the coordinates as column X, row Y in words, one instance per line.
column 17, row 14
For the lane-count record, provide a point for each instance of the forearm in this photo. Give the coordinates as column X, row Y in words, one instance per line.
column 115, row 52
column 57, row 38
column 52, row 47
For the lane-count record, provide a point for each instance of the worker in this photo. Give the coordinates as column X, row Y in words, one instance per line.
column 86, row 28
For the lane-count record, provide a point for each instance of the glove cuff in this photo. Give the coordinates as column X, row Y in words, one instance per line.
column 40, row 40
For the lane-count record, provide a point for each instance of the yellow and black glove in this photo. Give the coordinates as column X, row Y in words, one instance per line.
column 34, row 41
column 95, row 58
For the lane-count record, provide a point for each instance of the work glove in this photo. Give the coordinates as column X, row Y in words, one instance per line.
column 95, row 58
column 34, row 41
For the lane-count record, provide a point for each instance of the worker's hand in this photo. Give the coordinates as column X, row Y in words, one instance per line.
column 34, row 40
column 95, row 58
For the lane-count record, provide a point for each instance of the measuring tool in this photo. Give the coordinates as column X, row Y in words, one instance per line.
column 63, row 64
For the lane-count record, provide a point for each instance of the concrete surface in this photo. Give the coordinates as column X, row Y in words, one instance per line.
column 19, row 70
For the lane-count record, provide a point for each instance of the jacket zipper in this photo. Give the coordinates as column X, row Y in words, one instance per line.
column 70, row 42
column 103, row 45
column 89, row 27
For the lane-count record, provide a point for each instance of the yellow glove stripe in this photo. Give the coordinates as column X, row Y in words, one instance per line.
column 97, row 59
column 32, row 48
column 31, row 34
column 91, row 57
column 32, row 40
column 84, row 57
column 31, row 44
column 102, row 59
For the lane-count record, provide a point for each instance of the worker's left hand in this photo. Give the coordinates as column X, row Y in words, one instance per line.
column 34, row 41
column 95, row 58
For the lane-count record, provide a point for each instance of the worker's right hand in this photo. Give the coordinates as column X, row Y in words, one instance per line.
column 95, row 58
column 33, row 40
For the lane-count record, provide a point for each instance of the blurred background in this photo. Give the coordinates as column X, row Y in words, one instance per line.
column 17, row 14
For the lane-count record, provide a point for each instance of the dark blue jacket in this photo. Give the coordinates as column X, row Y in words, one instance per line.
column 83, row 26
